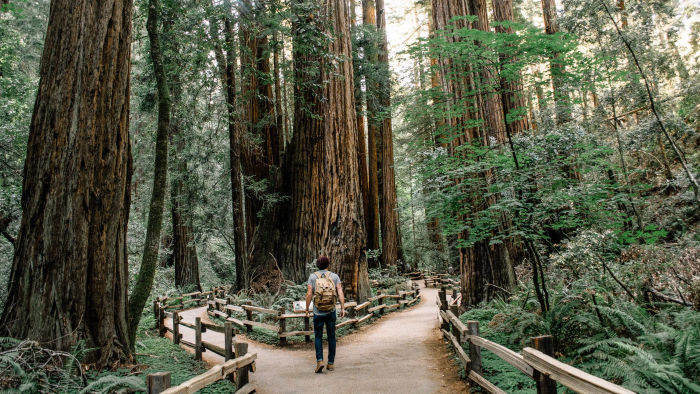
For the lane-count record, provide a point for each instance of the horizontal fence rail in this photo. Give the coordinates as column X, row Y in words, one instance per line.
column 536, row 362
column 235, row 370
column 357, row 313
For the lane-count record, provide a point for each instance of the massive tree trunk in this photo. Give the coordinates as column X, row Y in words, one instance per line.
column 184, row 249
column 325, row 211
column 433, row 225
column 235, row 138
column 370, row 51
column 261, row 148
column 184, row 253
column 491, row 106
column 144, row 280
column 512, row 92
column 391, row 241
column 561, row 94
column 69, row 275
column 484, row 268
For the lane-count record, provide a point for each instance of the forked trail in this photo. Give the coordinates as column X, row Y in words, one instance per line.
column 402, row 352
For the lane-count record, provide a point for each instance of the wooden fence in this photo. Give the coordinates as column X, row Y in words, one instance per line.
column 536, row 362
column 357, row 313
column 236, row 370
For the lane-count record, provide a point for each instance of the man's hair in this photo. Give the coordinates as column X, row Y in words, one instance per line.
column 322, row 262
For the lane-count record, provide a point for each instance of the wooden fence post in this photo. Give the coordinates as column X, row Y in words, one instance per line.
column 228, row 341
column 442, row 294
column 307, row 327
column 248, row 316
column 455, row 331
column 156, row 313
column 474, row 350
column 157, row 382
column 198, row 338
column 380, row 302
column 242, row 373
column 283, row 327
column 403, row 298
column 161, row 321
column 176, row 327
column 545, row 385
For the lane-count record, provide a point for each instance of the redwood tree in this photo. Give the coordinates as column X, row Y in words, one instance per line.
column 391, row 241
column 512, row 94
column 369, row 20
column 557, row 69
column 325, row 212
column 260, row 150
column 481, row 264
column 69, row 274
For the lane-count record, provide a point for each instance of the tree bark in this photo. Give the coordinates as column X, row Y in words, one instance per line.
column 258, row 112
column 492, row 108
column 485, row 269
column 561, row 93
column 391, row 240
column 325, row 212
column 361, row 140
column 69, row 275
column 227, row 58
column 184, row 255
column 184, row 249
column 369, row 19
column 149, row 261
column 279, row 119
column 512, row 92
column 433, row 225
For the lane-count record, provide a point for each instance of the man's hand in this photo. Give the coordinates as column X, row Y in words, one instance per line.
column 307, row 313
column 342, row 312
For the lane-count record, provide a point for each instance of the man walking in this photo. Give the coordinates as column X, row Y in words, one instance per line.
column 324, row 288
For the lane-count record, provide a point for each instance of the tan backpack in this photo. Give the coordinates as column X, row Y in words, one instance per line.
column 324, row 292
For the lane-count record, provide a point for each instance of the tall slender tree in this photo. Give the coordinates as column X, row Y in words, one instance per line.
column 391, row 240
column 149, row 260
column 359, row 111
column 557, row 69
column 184, row 252
column 369, row 20
column 69, row 274
column 226, row 58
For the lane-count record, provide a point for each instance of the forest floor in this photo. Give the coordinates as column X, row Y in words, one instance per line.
column 399, row 353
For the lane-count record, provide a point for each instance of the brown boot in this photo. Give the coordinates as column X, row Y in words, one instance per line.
column 330, row 367
column 319, row 366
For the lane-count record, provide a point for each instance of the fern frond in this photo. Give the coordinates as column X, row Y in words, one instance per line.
column 110, row 383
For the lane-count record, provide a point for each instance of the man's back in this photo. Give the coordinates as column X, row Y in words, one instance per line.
column 313, row 278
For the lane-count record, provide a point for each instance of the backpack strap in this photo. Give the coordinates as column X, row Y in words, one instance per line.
column 319, row 275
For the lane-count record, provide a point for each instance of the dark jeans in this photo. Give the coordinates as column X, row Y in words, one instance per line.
column 329, row 321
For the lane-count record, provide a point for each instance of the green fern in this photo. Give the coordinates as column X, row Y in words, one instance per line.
column 112, row 383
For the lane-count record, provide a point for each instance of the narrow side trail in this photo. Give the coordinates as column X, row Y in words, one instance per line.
column 402, row 352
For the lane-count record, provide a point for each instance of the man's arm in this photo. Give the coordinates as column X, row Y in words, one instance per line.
column 341, row 297
column 308, row 297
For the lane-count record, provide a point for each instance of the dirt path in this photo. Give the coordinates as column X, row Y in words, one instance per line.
column 402, row 352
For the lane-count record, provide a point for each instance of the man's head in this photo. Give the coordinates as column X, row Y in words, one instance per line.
column 322, row 262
